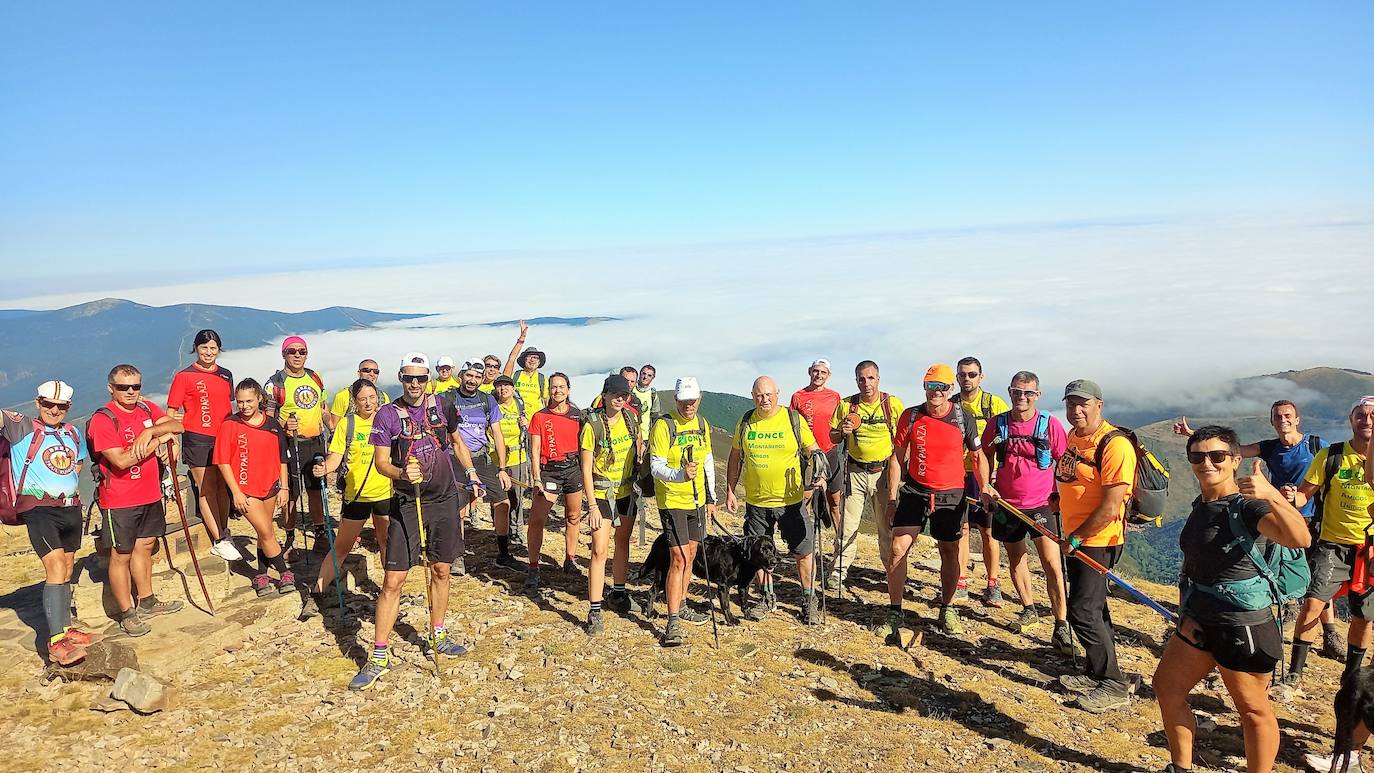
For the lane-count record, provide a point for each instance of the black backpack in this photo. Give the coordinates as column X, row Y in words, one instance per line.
column 1151, row 489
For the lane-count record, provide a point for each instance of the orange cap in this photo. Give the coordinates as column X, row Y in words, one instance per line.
column 939, row 372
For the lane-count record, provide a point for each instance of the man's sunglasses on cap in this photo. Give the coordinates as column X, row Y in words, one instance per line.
column 937, row 386
column 420, row 378
column 127, row 387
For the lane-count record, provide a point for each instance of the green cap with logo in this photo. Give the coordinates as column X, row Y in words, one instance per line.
column 1081, row 387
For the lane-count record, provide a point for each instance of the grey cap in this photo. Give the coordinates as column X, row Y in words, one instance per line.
column 1081, row 387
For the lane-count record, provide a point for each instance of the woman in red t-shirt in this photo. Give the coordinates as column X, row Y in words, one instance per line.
column 556, row 465
column 201, row 397
column 250, row 452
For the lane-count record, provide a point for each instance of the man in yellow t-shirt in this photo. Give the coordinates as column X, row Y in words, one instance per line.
column 684, row 481
column 767, row 446
column 529, row 382
column 982, row 406
column 865, row 423
column 514, row 422
column 368, row 370
column 1093, row 497
column 295, row 398
column 491, row 368
column 1337, row 475
column 446, row 381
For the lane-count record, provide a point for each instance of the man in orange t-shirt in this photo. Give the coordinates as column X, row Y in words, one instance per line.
column 1095, row 478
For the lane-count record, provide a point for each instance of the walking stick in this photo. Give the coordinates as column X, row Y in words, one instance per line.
column 1064, row 573
column 329, row 535
column 820, row 546
column 303, row 499
column 186, row 527
column 424, row 562
column 705, row 559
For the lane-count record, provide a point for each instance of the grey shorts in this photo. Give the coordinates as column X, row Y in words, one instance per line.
column 443, row 540
column 797, row 530
column 122, row 527
column 487, row 473
column 681, row 526
column 835, row 458
column 1332, row 565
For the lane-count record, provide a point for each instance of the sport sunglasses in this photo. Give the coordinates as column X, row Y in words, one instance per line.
column 296, row 352
column 127, row 387
column 1217, row 457
column 937, row 386
column 51, row 405
column 420, row 379
column 373, row 371
column 1015, row 393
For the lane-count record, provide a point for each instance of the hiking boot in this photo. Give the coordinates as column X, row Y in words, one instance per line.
column 1288, row 687
column 594, row 624
column 809, row 613
column 1333, row 646
column 894, row 628
column 531, row 581
column 310, row 607
column 570, row 567
column 262, row 585
column 689, row 615
column 65, row 652
column 508, row 561
column 133, row 624
column 950, row 623
column 992, row 595
column 149, row 606
column 834, row 581
column 82, row 638
column 623, row 602
column 1062, row 639
column 758, row 610
column 1325, row 762
column 672, row 633
column 961, row 590
column 1079, row 683
column 227, row 550
column 1025, row 622
column 287, row 582
column 1103, row 698
column 372, row 671
column 1172, row 768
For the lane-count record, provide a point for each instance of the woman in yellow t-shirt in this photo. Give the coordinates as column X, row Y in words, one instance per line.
column 366, row 492
column 610, row 458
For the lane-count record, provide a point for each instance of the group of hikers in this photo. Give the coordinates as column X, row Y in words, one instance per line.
column 503, row 432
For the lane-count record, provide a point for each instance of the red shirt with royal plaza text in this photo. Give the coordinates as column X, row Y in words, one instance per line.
column 556, row 435
column 206, row 396
column 254, row 454
column 936, row 445
column 138, row 485
column 817, row 407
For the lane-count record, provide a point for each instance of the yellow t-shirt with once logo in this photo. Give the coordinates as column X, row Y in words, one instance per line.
column 512, row 434
column 615, row 463
column 486, row 388
column 439, row 386
column 694, row 432
column 768, row 452
column 362, row 483
column 1346, row 509
column 339, row 406
column 974, row 408
column 872, row 441
column 305, row 398
column 527, row 385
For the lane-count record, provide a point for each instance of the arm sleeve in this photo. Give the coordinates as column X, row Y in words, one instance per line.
column 808, row 437
column 382, row 428
column 659, row 467
column 156, row 412
column 710, row 470
column 340, row 405
column 1118, row 463
column 14, row 427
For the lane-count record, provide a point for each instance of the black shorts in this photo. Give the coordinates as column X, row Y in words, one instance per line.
column 835, row 459
column 443, row 541
column 681, row 526
column 361, row 511
column 1332, row 565
column 487, row 473
column 121, row 527
column 196, row 449
column 1249, row 649
column 797, row 530
column 561, row 477
column 624, row 508
column 977, row 515
column 53, row 528
column 308, row 447
column 943, row 510
column 1008, row 528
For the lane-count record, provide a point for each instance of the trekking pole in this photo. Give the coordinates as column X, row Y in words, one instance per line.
column 303, row 498
column 816, row 506
column 1092, row 563
column 705, row 559
column 424, row 562
column 186, row 527
column 329, row 536
column 1064, row 577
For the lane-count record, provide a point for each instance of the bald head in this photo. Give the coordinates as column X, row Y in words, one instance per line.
column 765, row 394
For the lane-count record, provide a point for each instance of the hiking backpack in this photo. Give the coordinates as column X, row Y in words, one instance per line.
column 13, row 501
column 1040, row 437
column 645, row 483
column 1151, row 489
column 959, row 418
column 601, row 440
column 1334, row 452
column 1282, row 572
column 886, row 401
column 276, row 390
column 985, row 408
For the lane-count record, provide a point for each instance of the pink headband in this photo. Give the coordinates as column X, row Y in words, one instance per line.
column 292, row 341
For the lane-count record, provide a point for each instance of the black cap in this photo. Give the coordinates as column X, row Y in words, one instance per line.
column 616, row 384
column 502, row 379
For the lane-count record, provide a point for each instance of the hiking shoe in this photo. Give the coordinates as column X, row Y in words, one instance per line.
column 1062, row 639
column 149, row 606
column 570, row 567
column 531, row 580
column 287, row 582
column 372, row 671
column 227, row 550
column 1025, row 622
column 65, row 652
column 1103, row 698
column 961, row 590
column 262, row 585
column 1333, row 646
column 757, row 610
column 810, row 610
column 508, row 561
column 834, row 581
column 1325, row 762
column 450, row 648
column 1288, row 687
column 689, row 615
column 894, row 628
column 1079, row 683
column 672, row 633
column 950, row 623
column 992, row 595
column 82, row 638
column 133, row 624
column 623, row 602
column 594, row 624
column 310, row 607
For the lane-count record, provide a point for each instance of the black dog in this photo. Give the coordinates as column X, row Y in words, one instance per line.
column 733, row 563
column 1354, row 714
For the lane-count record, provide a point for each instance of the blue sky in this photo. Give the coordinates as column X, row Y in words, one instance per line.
column 289, row 136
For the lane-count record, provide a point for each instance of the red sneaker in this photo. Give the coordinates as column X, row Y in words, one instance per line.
column 65, row 652
column 82, row 638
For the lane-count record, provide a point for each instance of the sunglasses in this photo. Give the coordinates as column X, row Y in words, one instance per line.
column 373, row 371
column 490, row 366
column 127, row 387
column 420, row 379
column 1015, row 393
column 51, row 405
column 294, row 352
column 937, row 386
column 1217, row 457
column 969, row 375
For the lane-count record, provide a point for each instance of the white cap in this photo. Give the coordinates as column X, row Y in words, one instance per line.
column 444, row 362
column 820, row 362
column 56, row 391
column 416, row 359
column 1360, row 403
column 474, row 363
column 687, row 389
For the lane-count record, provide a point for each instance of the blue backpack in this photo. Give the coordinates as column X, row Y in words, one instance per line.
column 1283, row 572
column 1041, row 439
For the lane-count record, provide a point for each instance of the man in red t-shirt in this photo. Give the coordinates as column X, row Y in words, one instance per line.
column 817, row 404
column 125, row 434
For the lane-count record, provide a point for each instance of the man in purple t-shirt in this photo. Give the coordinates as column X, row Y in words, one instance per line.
column 1022, row 446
